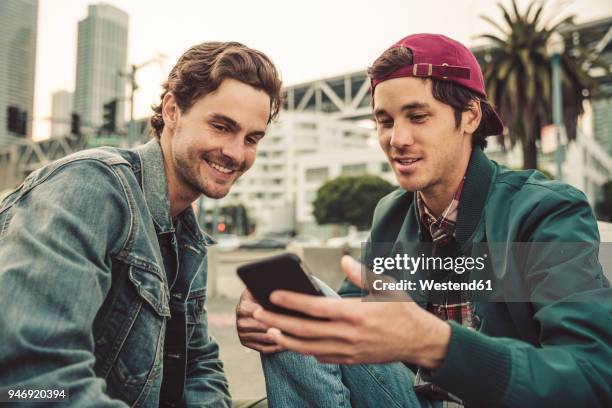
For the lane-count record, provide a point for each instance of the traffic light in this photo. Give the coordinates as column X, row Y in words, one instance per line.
column 110, row 116
column 17, row 120
column 75, row 124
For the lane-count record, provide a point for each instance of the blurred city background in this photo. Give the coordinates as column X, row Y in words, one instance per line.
column 77, row 74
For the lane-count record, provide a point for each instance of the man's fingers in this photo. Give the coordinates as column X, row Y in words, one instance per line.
column 364, row 278
column 256, row 338
column 352, row 270
column 248, row 324
column 246, row 308
column 247, row 295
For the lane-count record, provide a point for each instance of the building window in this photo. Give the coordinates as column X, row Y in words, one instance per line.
column 317, row 174
column 354, row 169
column 385, row 167
column 307, row 125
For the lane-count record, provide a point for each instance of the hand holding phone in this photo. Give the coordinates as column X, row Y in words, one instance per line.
column 251, row 332
column 281, row 272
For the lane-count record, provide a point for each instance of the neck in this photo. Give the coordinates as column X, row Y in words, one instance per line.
column 179, row 196
column 438, row 197
column 179, row 199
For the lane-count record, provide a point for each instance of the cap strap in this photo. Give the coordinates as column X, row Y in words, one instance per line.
column 427, row 70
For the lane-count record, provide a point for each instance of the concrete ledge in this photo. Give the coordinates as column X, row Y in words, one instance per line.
column 605, row 231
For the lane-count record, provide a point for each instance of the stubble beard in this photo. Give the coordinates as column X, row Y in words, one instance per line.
column 188, row 170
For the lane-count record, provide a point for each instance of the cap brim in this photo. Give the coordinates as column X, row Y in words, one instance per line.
column 491, row 124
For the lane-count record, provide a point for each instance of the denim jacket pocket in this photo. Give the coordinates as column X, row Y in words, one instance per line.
column 149, row 284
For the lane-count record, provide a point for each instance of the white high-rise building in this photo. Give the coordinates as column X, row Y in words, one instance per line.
column 61, row 113
column 269, row 189
column 101, row 60
column 18, row 27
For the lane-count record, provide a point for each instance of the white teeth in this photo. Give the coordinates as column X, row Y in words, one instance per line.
column 219, row 167
column 408, row 161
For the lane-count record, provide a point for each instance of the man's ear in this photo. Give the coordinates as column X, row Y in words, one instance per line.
column 470, row 119
column 170, row 111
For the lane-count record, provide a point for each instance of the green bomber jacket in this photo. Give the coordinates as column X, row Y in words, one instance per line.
column 555, row 350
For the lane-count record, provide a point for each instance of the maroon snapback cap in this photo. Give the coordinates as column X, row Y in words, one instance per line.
column 440, row 57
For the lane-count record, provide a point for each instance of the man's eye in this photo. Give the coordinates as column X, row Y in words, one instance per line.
column 220, row 128
column 418, row 118
column 252, row 140
column 385, row 124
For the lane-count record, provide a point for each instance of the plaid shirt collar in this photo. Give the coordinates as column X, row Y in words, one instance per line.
column 441, row 228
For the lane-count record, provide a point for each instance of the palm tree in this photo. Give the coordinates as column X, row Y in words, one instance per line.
column 518, row 77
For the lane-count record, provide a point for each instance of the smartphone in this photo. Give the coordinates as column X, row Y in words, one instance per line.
column 285, row 271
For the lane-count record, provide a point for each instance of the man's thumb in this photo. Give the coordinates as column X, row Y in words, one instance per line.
column 352, row 270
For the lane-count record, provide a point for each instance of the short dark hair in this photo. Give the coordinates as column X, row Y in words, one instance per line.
column 457, row 96
column 202, row 69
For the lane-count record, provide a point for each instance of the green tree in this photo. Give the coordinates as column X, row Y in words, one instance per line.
column 517, row 75
column 350, row 200
column 604, row 207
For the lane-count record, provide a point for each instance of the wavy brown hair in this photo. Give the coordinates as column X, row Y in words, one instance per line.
column 202, row 69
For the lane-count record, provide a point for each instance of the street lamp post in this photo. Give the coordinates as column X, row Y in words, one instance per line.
column 556, row 47
column 131, row 75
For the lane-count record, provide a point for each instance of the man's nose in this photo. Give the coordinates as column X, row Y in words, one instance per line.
column 401, row 136
column 234, row 149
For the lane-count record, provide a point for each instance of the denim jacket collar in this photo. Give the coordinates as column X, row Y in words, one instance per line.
column 155, row 184
column 155, row 188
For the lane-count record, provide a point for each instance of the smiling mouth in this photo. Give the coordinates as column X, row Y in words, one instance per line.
column 406, row 161
column 219, row 168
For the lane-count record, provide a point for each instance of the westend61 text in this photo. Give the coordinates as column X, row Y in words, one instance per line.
column 405, row 285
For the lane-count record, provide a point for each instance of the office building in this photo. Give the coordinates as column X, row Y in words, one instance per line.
column 61, row 111
column 18, row 29
column 101, row 63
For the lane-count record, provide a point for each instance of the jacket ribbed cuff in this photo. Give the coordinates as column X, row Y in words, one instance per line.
column 476, row 367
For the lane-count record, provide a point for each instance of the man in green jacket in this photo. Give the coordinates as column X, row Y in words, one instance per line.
column 546, row 337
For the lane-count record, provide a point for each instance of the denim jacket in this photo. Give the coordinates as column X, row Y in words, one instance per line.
column 84, row 294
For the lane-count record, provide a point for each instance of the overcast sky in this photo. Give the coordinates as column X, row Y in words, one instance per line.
column 306, row 39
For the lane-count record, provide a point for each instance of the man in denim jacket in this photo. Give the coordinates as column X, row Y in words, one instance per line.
column 103, row 266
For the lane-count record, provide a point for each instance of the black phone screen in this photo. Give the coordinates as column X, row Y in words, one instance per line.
column 284, row 271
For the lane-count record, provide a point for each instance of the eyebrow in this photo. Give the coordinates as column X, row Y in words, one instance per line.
column 226, row 119
column 406, row 107
column 233, row 124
